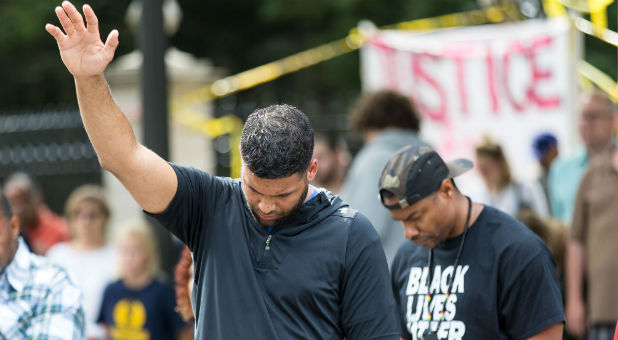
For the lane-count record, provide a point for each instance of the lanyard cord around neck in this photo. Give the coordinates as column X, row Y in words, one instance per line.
column 430, row 267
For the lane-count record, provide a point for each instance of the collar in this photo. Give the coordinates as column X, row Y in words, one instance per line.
column 582, row 157
column 18, row 270
column 394, row 134
column 314, row 192
column 318, row 204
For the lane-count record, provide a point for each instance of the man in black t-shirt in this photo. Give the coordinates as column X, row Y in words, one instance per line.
column 470, row 271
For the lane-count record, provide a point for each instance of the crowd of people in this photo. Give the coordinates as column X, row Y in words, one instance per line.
column 311, row 242
column 115, row 287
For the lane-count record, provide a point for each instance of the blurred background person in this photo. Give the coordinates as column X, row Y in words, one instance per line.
column 38, row 300
column 545, row 147
column 595, row 129
column 87, row 256
column 138, row 305
column 387, row 121
column 500, row 189
column 40, row 227
column 592, row 251
column 333, row 157
column 183, row 280
column 551, row 231
column 554, row 233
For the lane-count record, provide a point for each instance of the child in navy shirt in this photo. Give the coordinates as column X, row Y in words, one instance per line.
column 139, row 306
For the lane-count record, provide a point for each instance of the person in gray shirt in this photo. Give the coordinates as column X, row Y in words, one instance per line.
column 387, row 121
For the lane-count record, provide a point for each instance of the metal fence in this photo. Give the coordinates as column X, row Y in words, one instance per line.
column 51, row 146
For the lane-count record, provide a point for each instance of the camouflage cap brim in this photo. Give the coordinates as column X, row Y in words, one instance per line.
column 458, row 166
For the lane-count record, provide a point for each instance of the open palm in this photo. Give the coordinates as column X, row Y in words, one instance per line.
column 81, row 48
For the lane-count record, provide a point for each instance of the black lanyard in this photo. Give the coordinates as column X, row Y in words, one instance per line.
column 427, row 335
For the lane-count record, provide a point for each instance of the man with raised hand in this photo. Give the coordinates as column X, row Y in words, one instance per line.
column 274, row 256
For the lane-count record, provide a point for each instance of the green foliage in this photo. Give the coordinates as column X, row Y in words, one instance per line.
column 601, row 54
column 30, row 66
column 236, row 35
column 245, row 33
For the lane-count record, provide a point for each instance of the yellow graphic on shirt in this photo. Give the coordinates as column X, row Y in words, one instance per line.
column 129, row 320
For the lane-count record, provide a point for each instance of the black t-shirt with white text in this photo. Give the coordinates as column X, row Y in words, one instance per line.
column 505, row 285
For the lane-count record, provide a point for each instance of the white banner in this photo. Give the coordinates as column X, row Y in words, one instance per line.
column 508, row 81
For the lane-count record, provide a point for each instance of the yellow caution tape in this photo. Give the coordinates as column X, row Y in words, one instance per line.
column 182, row 105
column 588, row 27
column 273, row 70
column 600, row 79
column 578, row 5
column 598, row 12
column 469, row 18
column 214, row 127
column 597, row 27
column 553, row 8
column 596, row 8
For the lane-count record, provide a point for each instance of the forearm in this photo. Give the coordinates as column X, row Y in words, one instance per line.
column 107, row 127
column 552, row 332
column 149, row 178
column 574, row 270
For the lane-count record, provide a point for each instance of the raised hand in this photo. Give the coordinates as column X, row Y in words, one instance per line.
column 81, row 48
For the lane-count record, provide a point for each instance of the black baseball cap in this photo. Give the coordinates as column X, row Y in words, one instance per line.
column 415, row 172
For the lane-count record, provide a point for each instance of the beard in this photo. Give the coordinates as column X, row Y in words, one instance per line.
column 424, row 241
column 283, row 216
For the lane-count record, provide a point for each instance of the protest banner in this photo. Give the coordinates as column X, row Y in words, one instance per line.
column 506, row 81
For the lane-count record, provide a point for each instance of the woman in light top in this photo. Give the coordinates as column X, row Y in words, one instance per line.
column 87, row 256
column 500, row 189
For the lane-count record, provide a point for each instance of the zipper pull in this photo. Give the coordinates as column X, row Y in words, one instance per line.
column 268, row 242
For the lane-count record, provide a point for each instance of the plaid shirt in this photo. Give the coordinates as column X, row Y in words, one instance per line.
column 38, row 300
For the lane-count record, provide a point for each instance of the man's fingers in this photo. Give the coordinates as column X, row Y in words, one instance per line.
column 110, row 44
column 76, row 18
column 55, row 32
column 66, row 23
column 92, row 23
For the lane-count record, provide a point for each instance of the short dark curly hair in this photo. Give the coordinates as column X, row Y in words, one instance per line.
column 384, row 109
column 277, row 142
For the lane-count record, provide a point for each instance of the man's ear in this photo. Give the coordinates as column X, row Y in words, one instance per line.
column 312, row 170
column 447, row 188
column 14, row 226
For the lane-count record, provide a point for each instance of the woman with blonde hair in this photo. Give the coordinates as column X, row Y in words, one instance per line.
column 139, row 305
column 500, row 189
column 87, row 256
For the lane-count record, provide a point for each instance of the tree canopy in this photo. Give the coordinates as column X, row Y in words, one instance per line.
column 235, row 35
